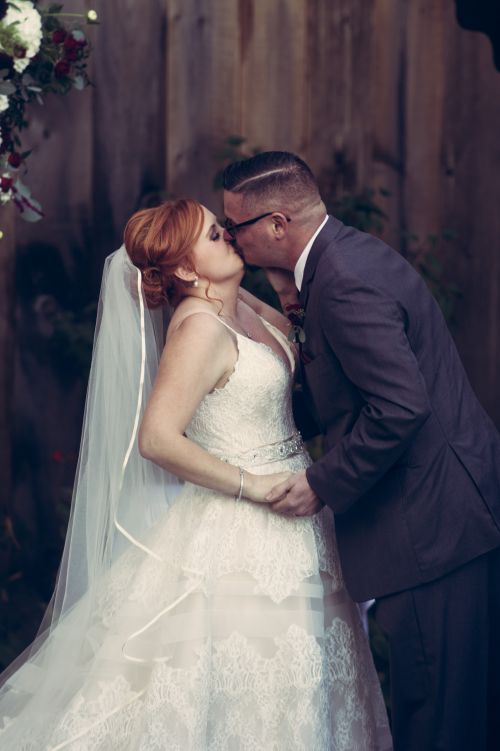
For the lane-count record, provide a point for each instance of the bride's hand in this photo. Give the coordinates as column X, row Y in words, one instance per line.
column 257, row 487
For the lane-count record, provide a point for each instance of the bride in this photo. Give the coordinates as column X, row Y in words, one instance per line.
column 188, row 615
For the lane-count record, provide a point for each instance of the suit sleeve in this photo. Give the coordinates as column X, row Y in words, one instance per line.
column 366, row 331
column 303, row 414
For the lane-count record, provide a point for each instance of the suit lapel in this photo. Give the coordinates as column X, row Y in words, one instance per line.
column 327, row 234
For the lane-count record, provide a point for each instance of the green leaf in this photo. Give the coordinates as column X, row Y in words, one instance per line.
column 449, row 234
column 235, row 140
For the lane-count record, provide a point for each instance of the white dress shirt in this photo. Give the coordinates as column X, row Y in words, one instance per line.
column 300, row 266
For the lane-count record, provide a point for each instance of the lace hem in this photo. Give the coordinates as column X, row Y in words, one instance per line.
column 308, row 695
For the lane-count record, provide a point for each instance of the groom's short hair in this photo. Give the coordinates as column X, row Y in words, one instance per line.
column 271, row 176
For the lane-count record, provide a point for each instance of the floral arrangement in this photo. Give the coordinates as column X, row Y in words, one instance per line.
column 296, row 315
column 38, row 55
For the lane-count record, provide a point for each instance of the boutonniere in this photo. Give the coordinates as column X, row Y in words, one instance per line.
column 296, row 315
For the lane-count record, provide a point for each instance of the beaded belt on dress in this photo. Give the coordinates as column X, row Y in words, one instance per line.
column 271, row 452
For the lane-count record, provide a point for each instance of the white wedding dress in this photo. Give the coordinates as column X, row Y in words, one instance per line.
column 238, row 633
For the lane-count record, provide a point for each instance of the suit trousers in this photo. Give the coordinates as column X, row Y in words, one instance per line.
column 444, row 644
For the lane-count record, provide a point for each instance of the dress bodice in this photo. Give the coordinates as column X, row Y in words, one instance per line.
column 253, row 409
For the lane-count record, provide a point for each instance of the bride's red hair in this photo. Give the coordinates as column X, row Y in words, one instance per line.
column 158, row 241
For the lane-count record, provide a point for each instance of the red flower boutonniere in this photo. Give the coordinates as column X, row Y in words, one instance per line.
column 296, row 315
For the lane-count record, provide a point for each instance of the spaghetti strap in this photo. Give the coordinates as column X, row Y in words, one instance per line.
column 282, row 341
column 212, row 315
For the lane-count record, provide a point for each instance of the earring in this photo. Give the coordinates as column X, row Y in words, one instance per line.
column 194, row 283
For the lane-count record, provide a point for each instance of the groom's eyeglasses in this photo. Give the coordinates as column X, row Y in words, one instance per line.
column 232, row 228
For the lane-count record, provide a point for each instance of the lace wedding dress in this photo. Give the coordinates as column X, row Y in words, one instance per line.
column 237, row 634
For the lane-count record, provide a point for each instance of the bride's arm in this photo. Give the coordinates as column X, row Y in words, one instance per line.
column 198, row 357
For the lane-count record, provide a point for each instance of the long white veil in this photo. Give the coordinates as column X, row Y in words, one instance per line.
column 118, row 497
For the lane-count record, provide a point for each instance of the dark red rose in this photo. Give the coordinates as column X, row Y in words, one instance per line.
column 59, row 36
column 71, row 55
column 62, row 68
column 295, row 314
column 70, row 43
column 14, row 159
column 5, row 184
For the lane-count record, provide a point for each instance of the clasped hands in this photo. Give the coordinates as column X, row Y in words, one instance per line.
column 286, row 493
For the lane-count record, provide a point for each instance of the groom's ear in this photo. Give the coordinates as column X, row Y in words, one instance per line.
column 279, row 222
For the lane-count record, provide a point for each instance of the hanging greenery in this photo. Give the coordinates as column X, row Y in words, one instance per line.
column 39, row 54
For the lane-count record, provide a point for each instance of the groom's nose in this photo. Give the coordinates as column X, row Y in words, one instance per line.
column 228, row 238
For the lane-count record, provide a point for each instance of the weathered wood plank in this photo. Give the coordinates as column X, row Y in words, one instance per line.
column 128, row 118
column 452, row 162
column 274, row 75
column 470, row 195
column 202, row 92
column 387, row 79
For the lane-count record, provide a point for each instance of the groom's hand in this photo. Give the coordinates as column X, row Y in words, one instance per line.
column 295, row 497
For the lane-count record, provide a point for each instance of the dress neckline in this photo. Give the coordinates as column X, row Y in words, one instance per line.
column 273, row 330
column 290, row 365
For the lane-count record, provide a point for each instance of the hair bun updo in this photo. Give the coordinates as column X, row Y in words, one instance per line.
column 153, row 288
column 159, row 240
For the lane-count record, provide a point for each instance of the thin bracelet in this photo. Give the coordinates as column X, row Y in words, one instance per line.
column 240, row 493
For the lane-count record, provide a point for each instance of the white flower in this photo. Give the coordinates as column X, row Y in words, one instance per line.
column 4, row 102
column 28, row 29
column 79, row 83
column 78, row 35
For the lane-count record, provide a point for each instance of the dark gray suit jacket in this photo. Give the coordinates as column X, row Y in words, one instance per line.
column 412, row 462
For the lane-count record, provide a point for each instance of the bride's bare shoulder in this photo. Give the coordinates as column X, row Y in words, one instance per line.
column 193, row 318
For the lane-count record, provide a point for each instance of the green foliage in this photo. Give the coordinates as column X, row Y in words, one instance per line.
column 20, row 608
column 53, row 63
column 429, row 258
column 232, row 149
column 359, row 210
column 72, row 340
column 28, row 567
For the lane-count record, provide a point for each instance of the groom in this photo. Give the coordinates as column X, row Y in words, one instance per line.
column 411, row 466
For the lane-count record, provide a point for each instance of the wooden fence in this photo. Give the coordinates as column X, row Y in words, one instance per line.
column 394, row 93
